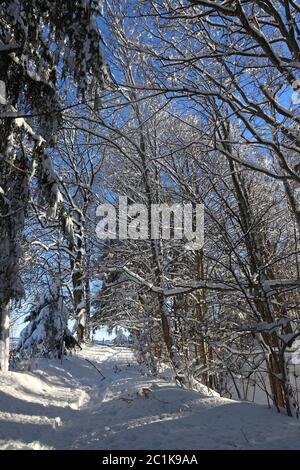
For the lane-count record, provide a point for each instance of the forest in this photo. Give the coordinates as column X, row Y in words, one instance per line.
column 162, row 105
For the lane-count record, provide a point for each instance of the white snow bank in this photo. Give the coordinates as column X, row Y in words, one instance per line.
column 69, row 406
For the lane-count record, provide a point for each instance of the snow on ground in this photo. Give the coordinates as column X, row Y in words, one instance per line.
column 69, row 406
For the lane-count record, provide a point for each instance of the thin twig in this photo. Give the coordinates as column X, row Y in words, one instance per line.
column 90, row 362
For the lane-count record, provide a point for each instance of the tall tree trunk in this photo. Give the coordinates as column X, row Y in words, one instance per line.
column 13, row 200
column 4, row 337
column 178, row 364
column 255, row 242
column 275, row 383
column 79, row 305
column 201, row 310
column 88, row 310
column 78, row 277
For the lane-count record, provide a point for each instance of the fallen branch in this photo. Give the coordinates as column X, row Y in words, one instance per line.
column 90, row 362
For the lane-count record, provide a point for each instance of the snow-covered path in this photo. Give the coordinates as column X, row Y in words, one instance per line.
column 69, row 406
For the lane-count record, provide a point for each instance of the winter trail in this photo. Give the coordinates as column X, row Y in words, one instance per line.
column 70, row 406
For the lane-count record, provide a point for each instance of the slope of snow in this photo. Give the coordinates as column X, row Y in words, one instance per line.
column 70, row 406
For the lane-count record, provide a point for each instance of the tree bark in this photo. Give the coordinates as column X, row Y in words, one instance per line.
column 4, row 338
column 78, row 278
column 88, row 310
